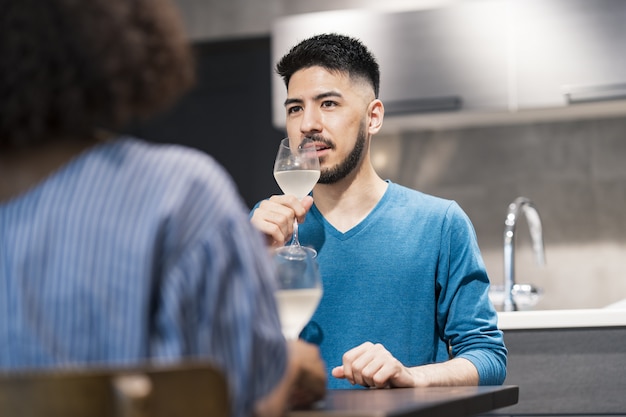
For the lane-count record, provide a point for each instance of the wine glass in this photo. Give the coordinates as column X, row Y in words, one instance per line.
column 299, row 290
column 296, row 171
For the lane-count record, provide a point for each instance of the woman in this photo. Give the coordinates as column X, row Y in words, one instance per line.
column 113, row 250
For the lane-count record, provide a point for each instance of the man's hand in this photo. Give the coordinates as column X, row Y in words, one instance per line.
column 274, row 217
column 371, row 365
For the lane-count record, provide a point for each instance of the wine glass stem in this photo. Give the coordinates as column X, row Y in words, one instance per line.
column 294, row 239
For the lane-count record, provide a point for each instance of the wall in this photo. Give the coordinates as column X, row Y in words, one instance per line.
column 573, row 171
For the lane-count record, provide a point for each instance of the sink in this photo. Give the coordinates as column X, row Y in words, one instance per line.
column 526, row 296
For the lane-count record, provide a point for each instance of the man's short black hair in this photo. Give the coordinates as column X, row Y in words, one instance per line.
column 333, row 52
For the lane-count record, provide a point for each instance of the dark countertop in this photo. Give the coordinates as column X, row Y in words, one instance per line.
column 413, row 402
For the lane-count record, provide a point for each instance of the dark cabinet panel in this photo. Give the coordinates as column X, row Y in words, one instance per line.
column 227, row 114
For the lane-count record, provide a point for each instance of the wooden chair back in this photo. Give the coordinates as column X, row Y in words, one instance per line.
column 188, row 390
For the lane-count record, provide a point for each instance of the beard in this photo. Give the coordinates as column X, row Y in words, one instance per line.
column 345, row 167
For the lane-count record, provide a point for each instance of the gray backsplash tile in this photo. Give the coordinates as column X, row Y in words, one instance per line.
column 574, row 171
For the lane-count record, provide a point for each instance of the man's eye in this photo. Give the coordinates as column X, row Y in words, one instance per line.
column 328, row 103
column 293, row 109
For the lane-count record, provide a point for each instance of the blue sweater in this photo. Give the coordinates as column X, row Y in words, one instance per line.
column 409, row 276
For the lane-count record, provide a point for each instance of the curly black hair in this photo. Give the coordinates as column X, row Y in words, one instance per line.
column 70, row 67
column 334, row 52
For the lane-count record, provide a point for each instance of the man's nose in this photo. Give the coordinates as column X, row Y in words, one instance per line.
column 311, row 121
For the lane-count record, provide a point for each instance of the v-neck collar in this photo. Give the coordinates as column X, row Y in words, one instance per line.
column 371, row 217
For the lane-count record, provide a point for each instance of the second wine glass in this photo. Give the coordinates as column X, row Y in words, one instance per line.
column 296, row 171
column 299, row 290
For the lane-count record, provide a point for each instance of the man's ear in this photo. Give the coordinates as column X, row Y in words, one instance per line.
column 376, row 112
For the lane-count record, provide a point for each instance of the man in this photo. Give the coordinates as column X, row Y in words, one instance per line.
column 114, row 251
column 405, row 288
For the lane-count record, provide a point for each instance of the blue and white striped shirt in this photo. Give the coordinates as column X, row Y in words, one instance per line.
column 136, row 252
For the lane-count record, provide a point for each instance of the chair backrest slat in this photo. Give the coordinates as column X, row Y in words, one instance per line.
column 189, row 390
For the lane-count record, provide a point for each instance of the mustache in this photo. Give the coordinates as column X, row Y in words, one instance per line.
column 319, row 139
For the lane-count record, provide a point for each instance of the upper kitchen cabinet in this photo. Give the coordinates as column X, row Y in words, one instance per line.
column 436, row 60
column 450, row 58
column 567, row 52
column 476, row 62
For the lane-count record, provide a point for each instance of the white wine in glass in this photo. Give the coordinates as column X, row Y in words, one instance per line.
column 297, row 182
column 296, row 171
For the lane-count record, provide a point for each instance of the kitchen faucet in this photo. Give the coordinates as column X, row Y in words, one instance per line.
column 519, row 205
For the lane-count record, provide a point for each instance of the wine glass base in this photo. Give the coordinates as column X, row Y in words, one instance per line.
column 295, row 252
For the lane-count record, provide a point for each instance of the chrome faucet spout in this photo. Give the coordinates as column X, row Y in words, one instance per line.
column 527, row 207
